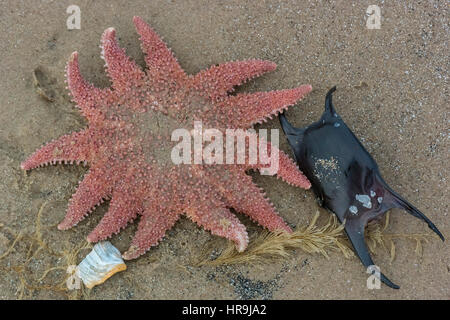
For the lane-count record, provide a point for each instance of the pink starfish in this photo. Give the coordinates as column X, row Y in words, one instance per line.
column 128, row 145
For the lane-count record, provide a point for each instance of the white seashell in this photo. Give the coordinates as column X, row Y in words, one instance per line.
column 101, row 263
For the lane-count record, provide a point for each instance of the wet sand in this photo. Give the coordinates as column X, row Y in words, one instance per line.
column 392, row 92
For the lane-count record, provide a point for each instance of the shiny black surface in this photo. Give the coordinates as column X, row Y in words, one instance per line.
column 344, row 176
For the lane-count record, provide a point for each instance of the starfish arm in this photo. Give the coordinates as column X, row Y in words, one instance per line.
column 152, row 227
column 123, row 209
column 287, row 170
column 219, row 221
column 163, row 67
column 244, row 196
column 96, row 186
column 68, row 148
column 256, row 107
column 123, row 71
column 87, row 97
column 217, row 81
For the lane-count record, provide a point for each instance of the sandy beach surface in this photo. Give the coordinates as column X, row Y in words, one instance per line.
column 392, row 92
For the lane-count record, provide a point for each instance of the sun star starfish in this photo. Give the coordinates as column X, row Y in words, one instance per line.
column 128, row 145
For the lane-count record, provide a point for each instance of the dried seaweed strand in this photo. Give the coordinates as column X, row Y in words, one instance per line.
column 268, row 246
column 36, row 244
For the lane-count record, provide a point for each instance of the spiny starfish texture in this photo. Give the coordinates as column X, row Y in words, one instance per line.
column 128, row 145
